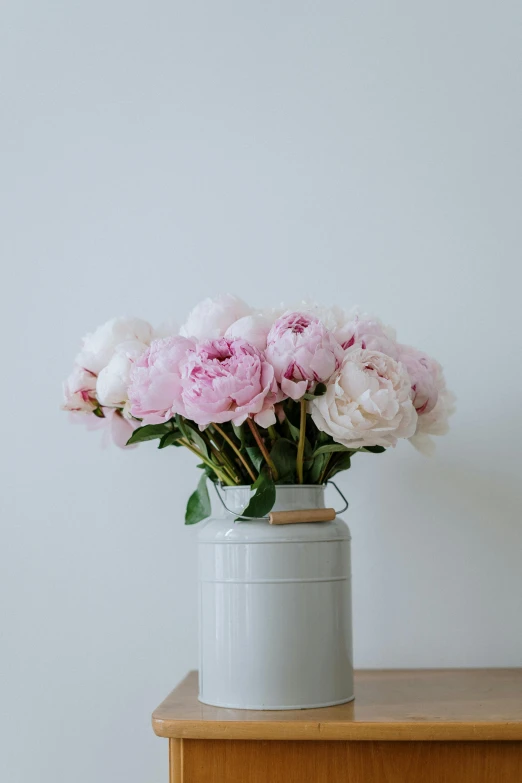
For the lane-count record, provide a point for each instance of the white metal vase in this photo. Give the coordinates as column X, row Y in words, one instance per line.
column 275, row 607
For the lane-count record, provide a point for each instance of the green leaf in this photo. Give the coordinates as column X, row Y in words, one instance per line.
column 263, row 498
column 292, row 412
column 170, row 439
column 284, row 454
column 256, row 457
column 208, row 472
column 319, row 390
column 181, row 424
column 343, row 462
column 239, row 432
column 191, row 434
column 198, row 440
column 198, row 506
column 329, row 449
column 149, row 432
column 293, row 430
column 374, row 449
column 314, row 473
column 99, row 413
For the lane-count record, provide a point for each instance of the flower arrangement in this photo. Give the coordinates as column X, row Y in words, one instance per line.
column 261, row 398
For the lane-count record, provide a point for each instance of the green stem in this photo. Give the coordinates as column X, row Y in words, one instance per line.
column 223, row 460
column 264, row 451
column 273, row 433
column 301, row 444
column 220, row 455
column 236, row 451
column 223, row 476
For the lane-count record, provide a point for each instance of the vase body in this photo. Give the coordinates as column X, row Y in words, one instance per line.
column 275, row 620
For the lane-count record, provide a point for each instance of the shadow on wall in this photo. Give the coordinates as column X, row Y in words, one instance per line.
column 436, row 565
column 493, row 497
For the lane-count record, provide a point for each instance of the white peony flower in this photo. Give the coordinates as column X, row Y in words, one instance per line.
column 332, row 317
column 271, row 314
column 210, row 319
column 368, row 332
column 353, row 327
column 99, row 347
column 252, row 328
column 167, row 328
column 79, row 391
column 367, row 403
column 113, row 380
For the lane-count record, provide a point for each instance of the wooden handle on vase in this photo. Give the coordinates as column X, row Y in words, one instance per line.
column 307, row 515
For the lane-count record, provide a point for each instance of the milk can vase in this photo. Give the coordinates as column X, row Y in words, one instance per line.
column 275, row 607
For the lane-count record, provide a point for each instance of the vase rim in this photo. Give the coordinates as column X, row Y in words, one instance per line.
column 278, row 486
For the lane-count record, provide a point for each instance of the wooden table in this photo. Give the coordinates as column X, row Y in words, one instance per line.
column 419, row 726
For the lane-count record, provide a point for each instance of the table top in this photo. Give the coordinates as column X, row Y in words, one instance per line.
column 399, row 704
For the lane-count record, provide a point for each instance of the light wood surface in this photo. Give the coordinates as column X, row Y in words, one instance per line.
column 175, row 760
column 251, row 761
column 446, row 704
column 298, row 517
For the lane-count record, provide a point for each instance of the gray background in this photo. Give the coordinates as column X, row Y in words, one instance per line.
column 155, row 153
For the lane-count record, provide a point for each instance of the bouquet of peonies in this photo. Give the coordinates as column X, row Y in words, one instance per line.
column 261, row 398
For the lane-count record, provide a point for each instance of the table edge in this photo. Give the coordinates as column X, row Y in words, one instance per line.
column 316, row 731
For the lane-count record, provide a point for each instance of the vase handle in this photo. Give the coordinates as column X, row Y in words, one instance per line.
column 246, row 519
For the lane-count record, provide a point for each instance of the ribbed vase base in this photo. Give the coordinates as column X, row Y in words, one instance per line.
column 273, row 708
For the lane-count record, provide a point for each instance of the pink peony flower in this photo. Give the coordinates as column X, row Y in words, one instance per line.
column 80, row 391
column 436, row 422
column 302, row 352
column 121, row 427
column 155, row 382
column 425, row 375
column 228, row 380
column 114, row 425
column 433, row 419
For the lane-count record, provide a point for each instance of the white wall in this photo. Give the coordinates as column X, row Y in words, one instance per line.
column 154, row 153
